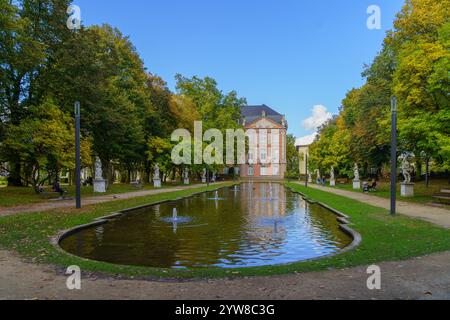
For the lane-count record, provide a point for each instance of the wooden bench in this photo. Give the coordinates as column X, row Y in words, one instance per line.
column 443, row 196
column 342, row 181
column 51, row 195
column 137, row 185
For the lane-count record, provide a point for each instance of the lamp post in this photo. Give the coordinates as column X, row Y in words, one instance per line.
column 394, row 156
column 306, row 173
column 77, row 155
column 425, row 156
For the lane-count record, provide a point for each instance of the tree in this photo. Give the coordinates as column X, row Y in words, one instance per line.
column 32, row 32
column 109, row 79
column 413, row 65
column 422, row 84
column 44, row 143
column 215, row 109
column 293, row 158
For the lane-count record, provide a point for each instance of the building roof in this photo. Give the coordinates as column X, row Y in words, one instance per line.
column 306, row 141
column 252, row 113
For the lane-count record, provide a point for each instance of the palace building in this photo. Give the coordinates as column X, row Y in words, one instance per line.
column 267, row 130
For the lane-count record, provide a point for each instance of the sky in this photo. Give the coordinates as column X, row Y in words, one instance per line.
column 299, row 57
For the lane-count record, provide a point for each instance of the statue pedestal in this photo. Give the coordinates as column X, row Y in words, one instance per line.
column 310, row 180
column 332, row 183
column 100, row 186
column 407, row 190
column 186, row 181
column 203, row 180
column 157, row 183
column 356, row 185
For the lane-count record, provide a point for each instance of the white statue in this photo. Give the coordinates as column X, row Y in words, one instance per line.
column 204, row 175
column 407, row 169
column 332, row 176
column 157, row 175
column 186, row 174
column 318, row 174
column 98, row 169
column 99, row 182
column 356, row 172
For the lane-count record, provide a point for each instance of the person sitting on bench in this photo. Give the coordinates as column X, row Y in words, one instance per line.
column 57, row 188
column 373, row 186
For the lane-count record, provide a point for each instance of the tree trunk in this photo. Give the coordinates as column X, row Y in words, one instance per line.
column 14, row 178
column 146, row 176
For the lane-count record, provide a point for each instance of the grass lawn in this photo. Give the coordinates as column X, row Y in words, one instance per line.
column 385, row 238
column 14, row 196
column 422, row 194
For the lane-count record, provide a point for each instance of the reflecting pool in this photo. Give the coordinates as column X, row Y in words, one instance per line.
column 255, row 224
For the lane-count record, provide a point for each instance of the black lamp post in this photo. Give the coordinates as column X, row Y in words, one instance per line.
column 306, row 167
column 425, row 156
column 77, row 155
column 394, row 156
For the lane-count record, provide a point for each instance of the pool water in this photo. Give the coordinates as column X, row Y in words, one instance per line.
column 255, row 224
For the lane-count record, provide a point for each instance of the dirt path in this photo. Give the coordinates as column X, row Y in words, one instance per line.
column 434, row 215
column 51, row 205
column 421, row 278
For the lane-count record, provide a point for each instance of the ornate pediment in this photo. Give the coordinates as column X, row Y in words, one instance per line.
column 264, row 123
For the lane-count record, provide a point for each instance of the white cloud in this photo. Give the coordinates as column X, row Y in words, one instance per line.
column 320, row 115
column 306, row 141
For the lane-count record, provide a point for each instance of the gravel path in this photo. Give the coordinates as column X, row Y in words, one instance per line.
column 421, row 278
column 431, row 214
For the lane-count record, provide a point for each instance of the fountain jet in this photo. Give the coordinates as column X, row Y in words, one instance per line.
column 175, row 214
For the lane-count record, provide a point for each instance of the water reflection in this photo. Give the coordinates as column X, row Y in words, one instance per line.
column 257, row 224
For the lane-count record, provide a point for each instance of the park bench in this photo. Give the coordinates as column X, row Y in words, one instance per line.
column 137, row 184
column 443, row 196
column 342, row 181
column 51, row 194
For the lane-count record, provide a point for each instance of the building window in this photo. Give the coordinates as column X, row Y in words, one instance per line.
column 276, row 170
column 250, row 157
column 263, row 155
column 264, row 171
column 263, row 145
column 275, row 146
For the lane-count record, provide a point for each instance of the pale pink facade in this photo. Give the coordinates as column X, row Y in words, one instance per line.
column 266, row 158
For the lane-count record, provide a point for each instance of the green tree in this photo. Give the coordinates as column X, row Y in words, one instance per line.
column 109, row 79
column 216, row 110
column 44, row 143
column 293, row 158
column 32, row 31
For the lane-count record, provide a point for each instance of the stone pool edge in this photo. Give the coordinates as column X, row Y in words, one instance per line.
column 344, row 225
column 341, row 217
column 62, row 235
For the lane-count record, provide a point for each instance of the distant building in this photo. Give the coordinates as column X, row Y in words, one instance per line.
column 266, row 158
column 303, row 145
